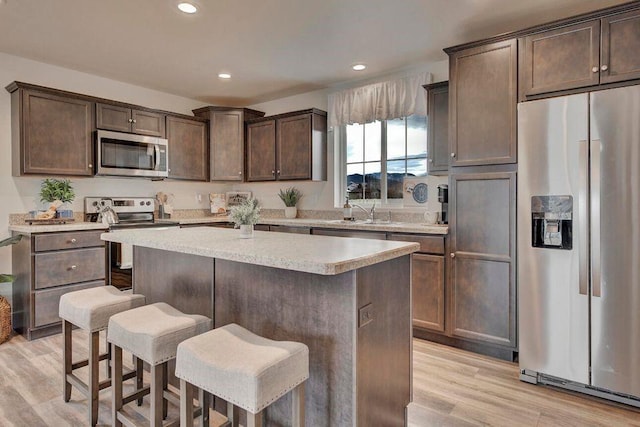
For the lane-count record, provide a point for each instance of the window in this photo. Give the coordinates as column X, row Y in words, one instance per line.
column 379, row 155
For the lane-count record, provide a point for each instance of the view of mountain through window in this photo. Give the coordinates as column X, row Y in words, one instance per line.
column 380, row 154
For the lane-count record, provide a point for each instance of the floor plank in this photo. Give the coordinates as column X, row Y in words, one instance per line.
column 451, row 388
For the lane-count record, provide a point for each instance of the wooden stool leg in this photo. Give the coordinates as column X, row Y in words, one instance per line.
column 67, row 359
column 139, row 372
column 233, row 414
column 109, row 355
column 297, row 406
column 165, row 386
column 156, row 395
column 186, row 404
column 116, row 385
column 203, row 398
column 254, row 420
column 94, row 377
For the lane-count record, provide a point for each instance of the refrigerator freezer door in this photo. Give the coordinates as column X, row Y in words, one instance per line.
column 615, row 174
column 553, row 303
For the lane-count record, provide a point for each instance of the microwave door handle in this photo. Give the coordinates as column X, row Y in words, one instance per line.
column 156, row 157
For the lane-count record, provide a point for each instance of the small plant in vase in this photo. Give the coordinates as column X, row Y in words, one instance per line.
column 245, row 216
column 290, row 196
column 59, row 194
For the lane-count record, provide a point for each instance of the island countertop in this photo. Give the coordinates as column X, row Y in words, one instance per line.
column 306, row 253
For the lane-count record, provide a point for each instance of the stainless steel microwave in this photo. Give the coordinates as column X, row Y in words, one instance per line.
column 126, row 154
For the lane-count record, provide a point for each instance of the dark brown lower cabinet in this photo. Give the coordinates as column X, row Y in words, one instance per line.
column 47, row 266
column 482, row 306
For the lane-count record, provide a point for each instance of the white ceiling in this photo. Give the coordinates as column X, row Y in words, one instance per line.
column 273, row 48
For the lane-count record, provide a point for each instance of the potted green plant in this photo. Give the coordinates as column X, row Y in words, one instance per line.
column 5, row 307
column 245, row 216
column 53, row 190
column 290, row 196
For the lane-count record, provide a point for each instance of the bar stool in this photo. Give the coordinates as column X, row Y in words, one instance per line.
column 90, row 310
column 151, row 333
column 246, row 370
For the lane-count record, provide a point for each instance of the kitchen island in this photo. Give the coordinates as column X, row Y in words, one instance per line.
column 349, row 300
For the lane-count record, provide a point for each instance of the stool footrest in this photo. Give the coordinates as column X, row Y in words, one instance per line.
column 136, row 395
column 78, row 383
column 85, row 362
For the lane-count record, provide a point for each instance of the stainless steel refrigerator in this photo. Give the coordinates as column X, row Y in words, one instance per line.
column 579, row 242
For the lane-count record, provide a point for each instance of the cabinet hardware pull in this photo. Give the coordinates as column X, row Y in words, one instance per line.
column 278, row 171
column 90, row 165
column 273, row 172
column 604, row 68
column 240, row 173
column 594, row 69
column 134, row 121
column 453, row 154
column 453, row 255
column 130, row 120
column 73, row 240
column 430, row 160
column 73, row 267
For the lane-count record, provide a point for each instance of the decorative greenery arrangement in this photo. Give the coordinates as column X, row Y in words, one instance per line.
column 246, row 213
column 290, row 196
column 56, row 189
column 6, row 278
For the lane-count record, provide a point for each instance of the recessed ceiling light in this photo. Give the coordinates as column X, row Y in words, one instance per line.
column 187, row 7
column 359, row 67
column 224, row 75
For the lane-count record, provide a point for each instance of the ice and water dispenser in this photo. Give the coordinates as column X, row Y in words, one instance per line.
column 552, row 222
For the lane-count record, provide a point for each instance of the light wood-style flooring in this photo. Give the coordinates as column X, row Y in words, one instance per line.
column 451, row 388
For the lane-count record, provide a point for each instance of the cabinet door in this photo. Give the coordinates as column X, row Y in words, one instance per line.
column 427, row 278
column 188, row 149
column 261, row 151
column 620, row 46
column 113, row 117
column 227, row 146
column 482, row 111
column 294, row 147
column 438, row 128
column 57, row 135
column 566, row 58
column 483, row 299
column 147, row 123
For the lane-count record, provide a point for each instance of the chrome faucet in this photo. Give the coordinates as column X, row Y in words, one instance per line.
column 370, row 213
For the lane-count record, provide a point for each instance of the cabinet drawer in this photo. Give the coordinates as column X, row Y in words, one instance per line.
column 428, row 244
column 61, row 268
column 349, row 233
column 80, row 239
column 46, row 303
column 289, row 229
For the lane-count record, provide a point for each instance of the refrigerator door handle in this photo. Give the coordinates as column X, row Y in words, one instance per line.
column 583, row 215
column 596, row 282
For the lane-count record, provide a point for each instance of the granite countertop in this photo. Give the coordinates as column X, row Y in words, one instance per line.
column 54, row 228
column 312, row 254
column 401, row 227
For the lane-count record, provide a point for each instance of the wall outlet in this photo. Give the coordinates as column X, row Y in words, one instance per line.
column 198, row 197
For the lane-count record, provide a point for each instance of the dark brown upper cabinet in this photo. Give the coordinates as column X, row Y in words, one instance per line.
column 51, row 131
column 438, row 128
column 123, row 119
column 188, row 148
column 290, row 146
column 586, row 54
column 482, row 104
column 261, row 151
column 227, row 140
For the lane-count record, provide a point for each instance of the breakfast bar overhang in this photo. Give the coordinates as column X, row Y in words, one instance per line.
column 348, row 300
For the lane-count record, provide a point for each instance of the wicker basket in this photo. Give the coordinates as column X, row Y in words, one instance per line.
column 5, row 320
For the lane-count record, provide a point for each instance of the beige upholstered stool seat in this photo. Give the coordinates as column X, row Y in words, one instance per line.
column 151, row 333
column 154, row 331
column 242, row 368
column 90, row 309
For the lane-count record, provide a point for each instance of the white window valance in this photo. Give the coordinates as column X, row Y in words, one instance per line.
column 380, row 101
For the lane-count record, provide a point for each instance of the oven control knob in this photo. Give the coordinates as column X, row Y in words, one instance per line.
column 148, row 203
column 95, row 203
column 141, row 203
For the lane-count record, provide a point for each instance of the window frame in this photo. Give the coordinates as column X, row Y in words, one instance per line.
column 341, row 157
